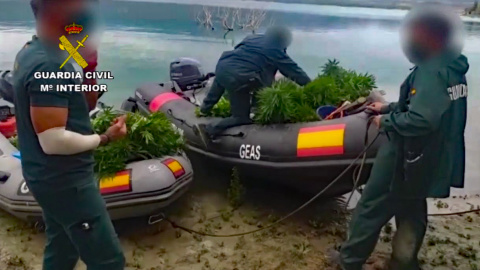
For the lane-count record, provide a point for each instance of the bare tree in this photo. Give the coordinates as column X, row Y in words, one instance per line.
column 204, row 18
column 231, row 19
column 228, row 17
column 256, row 18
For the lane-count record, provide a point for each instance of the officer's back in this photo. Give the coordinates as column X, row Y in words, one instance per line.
column 251, row 55
column 261, row 56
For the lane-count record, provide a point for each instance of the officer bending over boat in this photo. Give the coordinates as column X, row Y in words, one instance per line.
column 425, row 154
column 56, row 141
column 252, row 65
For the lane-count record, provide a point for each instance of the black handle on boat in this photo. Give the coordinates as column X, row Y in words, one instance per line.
column 169, row 111
column 240, row 134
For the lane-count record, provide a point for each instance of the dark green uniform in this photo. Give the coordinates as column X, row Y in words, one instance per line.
column 77, row 223
column 250, row 67
column 424, row 157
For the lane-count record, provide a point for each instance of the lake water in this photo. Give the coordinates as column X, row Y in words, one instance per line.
column 142, row 38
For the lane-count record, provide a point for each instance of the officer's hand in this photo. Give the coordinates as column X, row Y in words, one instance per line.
column 376, row 107
column 118, row 129
column 376, row 120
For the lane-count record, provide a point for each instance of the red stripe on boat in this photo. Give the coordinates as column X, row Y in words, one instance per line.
column 161, row 100
column 320, row 151
column 176, row 173
column 122, row 173
column 179, row 173
column 168, row 161
column 117, row 189
column 322, row 128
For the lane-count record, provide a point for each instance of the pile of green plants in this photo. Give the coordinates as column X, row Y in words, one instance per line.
column 147, row 137
column 286, row 102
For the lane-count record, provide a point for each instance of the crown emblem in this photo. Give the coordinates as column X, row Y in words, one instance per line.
column 73, row 28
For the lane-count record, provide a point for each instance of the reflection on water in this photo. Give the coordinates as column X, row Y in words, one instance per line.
column 141, row 39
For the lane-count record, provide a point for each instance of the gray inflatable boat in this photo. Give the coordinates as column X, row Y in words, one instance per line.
column 144, row 188
column 303, row 156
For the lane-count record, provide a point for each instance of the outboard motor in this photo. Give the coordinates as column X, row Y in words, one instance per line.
column 188, row 74
column 6, row 85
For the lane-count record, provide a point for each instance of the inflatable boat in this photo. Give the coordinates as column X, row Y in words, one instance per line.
column 144, row 188
column 304, row 156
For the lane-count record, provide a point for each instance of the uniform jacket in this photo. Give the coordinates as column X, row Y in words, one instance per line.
column 426, row 129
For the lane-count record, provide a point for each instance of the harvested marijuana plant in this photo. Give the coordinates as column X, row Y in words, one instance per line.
column 147, row 137
column 286, row 102
column 221, row 109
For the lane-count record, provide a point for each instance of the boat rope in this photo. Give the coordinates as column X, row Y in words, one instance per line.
column 356, row 180
column 191, row 231
column 157, row 218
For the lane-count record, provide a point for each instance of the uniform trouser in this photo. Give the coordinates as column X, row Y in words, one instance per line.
column 240, row 105
column 375, row 208
column 78, row 226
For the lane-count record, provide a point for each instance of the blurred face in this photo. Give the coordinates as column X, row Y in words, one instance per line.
column 64, row 12
column 56, row 16
column 418, row 43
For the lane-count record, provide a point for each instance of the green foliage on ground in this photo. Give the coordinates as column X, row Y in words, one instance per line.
column 286, row 102
column 147, row 137
column 236, row 191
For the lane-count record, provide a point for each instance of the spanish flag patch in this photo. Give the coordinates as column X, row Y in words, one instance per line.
column 119, row 183
column 175, row 167
column 321, row 141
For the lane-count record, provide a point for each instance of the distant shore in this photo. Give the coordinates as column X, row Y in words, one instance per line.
column 403, row 5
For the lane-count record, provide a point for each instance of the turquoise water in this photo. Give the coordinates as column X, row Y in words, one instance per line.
column 141, row 38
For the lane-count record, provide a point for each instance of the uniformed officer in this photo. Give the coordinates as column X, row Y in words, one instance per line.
column 425, row 154
column 57, row 142
column 252, row 65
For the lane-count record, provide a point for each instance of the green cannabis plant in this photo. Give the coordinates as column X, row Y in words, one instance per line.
column 147, row 137
column 286, row 102
column 221, row 109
